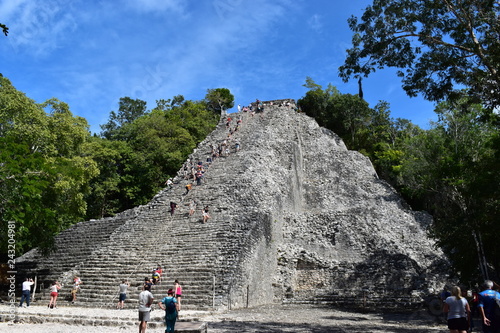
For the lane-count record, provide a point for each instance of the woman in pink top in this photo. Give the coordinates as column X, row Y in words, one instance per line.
column 178, row 292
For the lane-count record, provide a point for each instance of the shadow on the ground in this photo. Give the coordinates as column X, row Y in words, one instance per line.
column 271, row 327
column 276, row 327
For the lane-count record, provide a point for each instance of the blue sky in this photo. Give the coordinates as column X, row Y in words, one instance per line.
column 90, row 53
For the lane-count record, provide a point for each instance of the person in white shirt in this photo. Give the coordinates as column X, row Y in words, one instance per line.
column 145, row 301
column 458, row 311
column 54, row 292
column 26, row 292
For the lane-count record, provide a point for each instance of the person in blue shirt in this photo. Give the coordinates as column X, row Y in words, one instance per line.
column 487, row 308
column 171, row 307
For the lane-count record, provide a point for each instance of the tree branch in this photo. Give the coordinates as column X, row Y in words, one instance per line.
column 28, row 173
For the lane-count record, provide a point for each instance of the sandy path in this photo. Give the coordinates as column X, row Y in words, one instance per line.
column 264, row 319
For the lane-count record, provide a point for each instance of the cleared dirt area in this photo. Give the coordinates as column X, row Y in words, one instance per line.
column 263, row 319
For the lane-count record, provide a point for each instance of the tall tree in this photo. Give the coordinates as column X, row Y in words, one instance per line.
column 437, row 45
column 442, row 170
column 107, row 194
column 219, row 100
column 345, row 114
column 128, row 110
column 154, row 147
column 43, row 175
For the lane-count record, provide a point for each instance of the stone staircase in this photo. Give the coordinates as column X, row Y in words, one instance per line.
column 296, row 217
column 201, row 256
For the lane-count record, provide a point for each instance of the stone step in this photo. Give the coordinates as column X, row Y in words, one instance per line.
column 189, row 321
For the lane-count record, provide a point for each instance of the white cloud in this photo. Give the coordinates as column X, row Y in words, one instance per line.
column 315, row 23
column 37, row 27
column 156, row 5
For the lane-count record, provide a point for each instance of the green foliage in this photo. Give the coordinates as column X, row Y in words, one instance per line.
column 451, row 170
column 129, row 110
column 54, row 174
column 5, row 29
column 43, row 176
column 437, row 45
column 448, row 170
column 344, row 114
column 143, row 151
column 105, row 197
column 219, row 100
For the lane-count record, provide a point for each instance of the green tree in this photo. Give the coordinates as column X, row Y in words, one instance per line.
column 128, row 110
column 345, row 114
column 388, row 156
column 349, row 117
column 134, row 169
column 438, row 46
column 107, row 195
column 316, row 102
column 193, row 117
column 442, row 171
column 67, row 133
column 5, row 29
column 219, row 100
column 43, row 175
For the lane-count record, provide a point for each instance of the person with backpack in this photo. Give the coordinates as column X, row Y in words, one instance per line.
column 171, row 307
column 489, row 308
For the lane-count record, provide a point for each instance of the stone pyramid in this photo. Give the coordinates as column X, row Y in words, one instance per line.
column 295, row 217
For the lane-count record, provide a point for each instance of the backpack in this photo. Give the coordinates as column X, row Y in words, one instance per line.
column 170, row 306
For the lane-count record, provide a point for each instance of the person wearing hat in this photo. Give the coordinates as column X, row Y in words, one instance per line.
column 171, row 307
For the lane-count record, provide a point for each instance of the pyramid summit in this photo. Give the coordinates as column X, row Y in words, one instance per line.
column 294, row 217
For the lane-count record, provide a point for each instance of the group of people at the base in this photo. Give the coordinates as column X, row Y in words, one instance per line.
column 54, row 288
column 459, row 312
column 170, row 304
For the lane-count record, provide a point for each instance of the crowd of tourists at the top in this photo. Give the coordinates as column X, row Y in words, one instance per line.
column 194, row 171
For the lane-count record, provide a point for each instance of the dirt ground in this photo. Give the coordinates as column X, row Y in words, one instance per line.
column 322, row 320
column 271, row 319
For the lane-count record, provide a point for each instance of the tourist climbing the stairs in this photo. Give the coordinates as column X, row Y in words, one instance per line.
column 155, row 276
column 159, row 270
column 199, row 177
column 169, row 183
column 147, row 284
column 171, row 307
column 188, row 188
column 205, row 214
column 192, row 207
column 178, row 292
column 173, row 206
column 54, row 292
column 123, row 294
column 77, row 282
